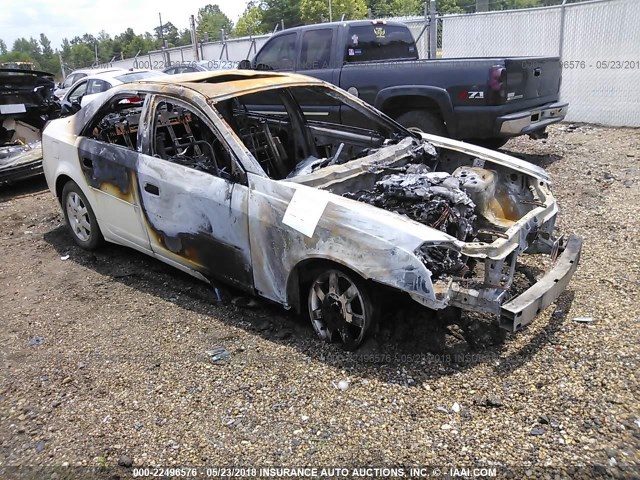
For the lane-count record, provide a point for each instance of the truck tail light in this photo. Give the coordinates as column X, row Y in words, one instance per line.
column 378, row 22
column 497, row 78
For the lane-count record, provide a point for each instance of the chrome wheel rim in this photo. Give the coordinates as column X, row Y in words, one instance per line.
column 337, row 306
column 78, row 216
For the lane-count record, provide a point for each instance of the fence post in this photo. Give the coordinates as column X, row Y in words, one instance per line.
column 563, row 11
column 433, row 29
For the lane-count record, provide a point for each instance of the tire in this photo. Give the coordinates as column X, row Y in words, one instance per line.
column 81, row 220
column 341, row 306
column 492, row 143
column 423, row 121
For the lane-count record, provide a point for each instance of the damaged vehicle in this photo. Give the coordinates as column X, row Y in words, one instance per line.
column 234, row 176
column 26, row 104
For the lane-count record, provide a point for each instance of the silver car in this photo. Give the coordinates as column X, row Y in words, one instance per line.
column 295, row 191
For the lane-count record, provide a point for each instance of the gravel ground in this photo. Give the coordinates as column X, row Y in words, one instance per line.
column 103, row 354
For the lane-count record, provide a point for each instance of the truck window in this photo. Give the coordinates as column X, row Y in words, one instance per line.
column 279, row 53
column 316, row 49
column 379, row 42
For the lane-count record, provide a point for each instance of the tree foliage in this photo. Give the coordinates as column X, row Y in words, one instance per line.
column 312, row 11
column 277, row 11
column 211, row 21
column 251, row 22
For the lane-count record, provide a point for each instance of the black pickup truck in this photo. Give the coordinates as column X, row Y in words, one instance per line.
column 483, row 100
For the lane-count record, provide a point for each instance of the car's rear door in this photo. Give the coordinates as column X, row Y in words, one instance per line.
column 193, row 200
column 108, row 153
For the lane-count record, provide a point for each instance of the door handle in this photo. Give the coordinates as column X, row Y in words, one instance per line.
column 151, row 188
column 87, row 163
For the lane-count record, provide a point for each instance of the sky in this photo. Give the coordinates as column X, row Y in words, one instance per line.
column 58, row 19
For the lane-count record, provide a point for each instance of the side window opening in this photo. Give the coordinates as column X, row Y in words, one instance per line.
column 182, row 137
column 118, row 123
column 262, row 122
column 288, row 137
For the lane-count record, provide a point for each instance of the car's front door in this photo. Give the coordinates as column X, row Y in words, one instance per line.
column 192, row 194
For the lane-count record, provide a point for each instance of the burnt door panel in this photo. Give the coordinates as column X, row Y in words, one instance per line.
column 109, row 170
column 196, row 219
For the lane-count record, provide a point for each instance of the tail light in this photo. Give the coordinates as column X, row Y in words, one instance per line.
column 497, row 78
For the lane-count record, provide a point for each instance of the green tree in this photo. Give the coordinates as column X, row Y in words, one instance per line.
column 274, row 11
column 170, row 32
column 80, row 55
column 185, row 37
column 211, row 20
column 451, row 6
column 312, row 11
column 250, row 23
column 3, row 47
column 403, row 8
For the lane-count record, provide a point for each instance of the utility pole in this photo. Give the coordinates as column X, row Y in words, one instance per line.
column 482, row 6
column 162, row 37
column 194, row 38
column 330, row 13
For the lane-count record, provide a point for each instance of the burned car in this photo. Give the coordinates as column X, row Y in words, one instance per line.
column 240, row 176
column 26, row 104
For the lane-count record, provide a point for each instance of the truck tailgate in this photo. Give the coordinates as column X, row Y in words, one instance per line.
column 531, row 78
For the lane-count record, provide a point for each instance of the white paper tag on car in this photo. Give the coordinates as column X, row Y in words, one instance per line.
column 12, row 108
column 304, row 211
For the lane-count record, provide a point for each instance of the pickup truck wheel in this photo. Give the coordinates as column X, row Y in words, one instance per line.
column 340, row 305
column 423, row 121
column 80, row 218
column 492, row 143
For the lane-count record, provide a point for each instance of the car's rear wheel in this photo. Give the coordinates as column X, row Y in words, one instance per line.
column 80, row 218
column 423, row 121
column 341, row 306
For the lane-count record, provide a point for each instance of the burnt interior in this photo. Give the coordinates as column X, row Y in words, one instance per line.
column 118, row 122
column 298, row 130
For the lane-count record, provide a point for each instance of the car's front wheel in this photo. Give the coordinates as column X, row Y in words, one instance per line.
column 80, row 218
column 341, row 306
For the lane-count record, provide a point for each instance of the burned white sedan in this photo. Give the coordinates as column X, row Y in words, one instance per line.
column 293, row 190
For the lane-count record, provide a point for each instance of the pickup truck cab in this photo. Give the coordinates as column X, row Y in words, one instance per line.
column 484, row 100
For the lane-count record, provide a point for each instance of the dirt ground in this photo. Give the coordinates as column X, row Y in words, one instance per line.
column 103, row 355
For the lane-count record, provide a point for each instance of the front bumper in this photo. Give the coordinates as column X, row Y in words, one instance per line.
column 521, row 310
column 536, row 119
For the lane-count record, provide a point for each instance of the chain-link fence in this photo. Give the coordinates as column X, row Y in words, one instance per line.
column 598, row 42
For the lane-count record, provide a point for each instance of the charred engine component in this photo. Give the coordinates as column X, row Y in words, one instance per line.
column 441, row 260
column 431, row 198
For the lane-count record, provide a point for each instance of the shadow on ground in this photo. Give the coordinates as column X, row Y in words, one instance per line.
column 409, row 339
column 25, row 187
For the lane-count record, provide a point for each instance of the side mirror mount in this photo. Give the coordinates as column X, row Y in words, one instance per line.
column 245, row 65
